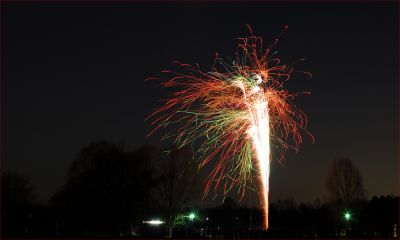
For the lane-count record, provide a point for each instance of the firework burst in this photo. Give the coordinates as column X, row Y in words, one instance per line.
column 237, row 115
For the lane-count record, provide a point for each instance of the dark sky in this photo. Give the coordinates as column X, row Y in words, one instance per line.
column 74, row 73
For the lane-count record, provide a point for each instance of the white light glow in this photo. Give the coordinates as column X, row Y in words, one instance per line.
column 154, row 222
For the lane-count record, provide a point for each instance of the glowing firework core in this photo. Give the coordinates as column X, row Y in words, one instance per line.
column 234, row 115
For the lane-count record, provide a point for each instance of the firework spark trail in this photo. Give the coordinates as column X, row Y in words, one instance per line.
column 234, row 115
column 260, row 132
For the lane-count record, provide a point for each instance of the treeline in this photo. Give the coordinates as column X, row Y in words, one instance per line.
column 374, row 218
column 109, row 192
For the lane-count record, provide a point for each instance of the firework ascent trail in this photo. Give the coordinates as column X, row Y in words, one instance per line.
column 237, row 114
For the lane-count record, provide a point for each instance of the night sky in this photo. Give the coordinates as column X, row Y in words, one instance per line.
column 74, row 73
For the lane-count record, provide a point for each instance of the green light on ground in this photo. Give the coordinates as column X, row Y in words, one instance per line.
column 347, row 216
column 192, row 216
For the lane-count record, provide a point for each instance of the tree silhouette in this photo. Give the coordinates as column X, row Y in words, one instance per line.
column 177, row 177
column 107, row 190
column 344, row 182
column 17, row 200
column 381, row 214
